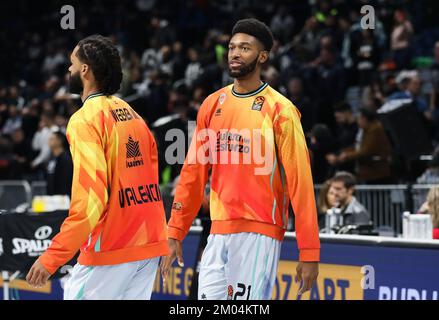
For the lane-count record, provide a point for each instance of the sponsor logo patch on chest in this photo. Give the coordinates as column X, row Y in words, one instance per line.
column 258, row 103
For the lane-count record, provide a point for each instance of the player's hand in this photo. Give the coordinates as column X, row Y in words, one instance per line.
column 38, row 275
column 176, row 252
column 307, row 273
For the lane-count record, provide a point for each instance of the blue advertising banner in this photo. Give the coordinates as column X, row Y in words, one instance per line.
column 370, row 269
column 351, row 268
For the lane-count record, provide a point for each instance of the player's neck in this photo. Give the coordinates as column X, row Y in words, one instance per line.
column 243, row 86
column 88, row 90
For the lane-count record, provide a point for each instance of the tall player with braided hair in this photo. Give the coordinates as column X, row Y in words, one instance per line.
column 116, row 217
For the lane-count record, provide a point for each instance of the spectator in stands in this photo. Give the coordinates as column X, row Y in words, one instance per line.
column 13, row 122
column 150, row 57
column 365, row 55
column 282, row 24
column 61, row 122
column 325, row 201
column 60, row 166
column 434, row 81
column 431, row 206
column 308, row 38
column 166, row 63
column 40, row 141
column 373, row 97
column 157, row 99
column 271, row 76
column 321, row 144
column 306, row 107
column 178, row 61
column 15, row 98
column 431, row 174
column 6, row 158
column 31, row 118
column 193, row 69
column 372, row 152
column 54, row 58
column 342, row 185
column 21, row 148
column 410, row 85
column 401, row 37
column 328, row 84
column 390, row 85
column 162, row 30
column 346, row 131
column 349, row 33
column 347, row 126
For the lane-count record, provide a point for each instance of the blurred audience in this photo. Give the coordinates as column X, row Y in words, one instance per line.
column 175, row 53
column 372, row 151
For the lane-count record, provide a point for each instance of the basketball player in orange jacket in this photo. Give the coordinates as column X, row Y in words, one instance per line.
column 116, row 217
column 237, row 127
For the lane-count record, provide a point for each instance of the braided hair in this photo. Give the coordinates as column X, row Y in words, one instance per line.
column 104, row 60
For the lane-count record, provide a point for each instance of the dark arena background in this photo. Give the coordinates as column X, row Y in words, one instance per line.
column 364, row 76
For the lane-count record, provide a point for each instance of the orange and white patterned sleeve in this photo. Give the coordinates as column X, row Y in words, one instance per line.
column 294, row 157
column 89, row 194
column 189, row 193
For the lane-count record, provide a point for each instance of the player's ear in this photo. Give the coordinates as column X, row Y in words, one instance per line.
column 263, row 57
column 84, row 68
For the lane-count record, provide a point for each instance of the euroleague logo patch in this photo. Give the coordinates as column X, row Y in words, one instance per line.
column 229, row 292
column 257, row 104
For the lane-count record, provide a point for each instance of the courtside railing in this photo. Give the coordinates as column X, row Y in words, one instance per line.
column 385, row 203
column 14, row 193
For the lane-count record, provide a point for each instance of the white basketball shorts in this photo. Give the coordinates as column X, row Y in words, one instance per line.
column 126, row 281
column 240, row 266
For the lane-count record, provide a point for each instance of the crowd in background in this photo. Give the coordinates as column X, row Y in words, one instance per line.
column 174, row 53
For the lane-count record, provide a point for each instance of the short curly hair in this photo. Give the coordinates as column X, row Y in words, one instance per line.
column 104, row 60
column 257, row 29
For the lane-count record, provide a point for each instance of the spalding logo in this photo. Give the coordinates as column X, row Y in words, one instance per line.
column 33, row 247
column 43, row 232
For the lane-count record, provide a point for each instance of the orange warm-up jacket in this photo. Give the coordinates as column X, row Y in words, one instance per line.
column 116, row 213
column 243, row 199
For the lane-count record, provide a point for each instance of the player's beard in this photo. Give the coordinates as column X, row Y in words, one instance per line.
column 75, row 83
column 244, row 70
